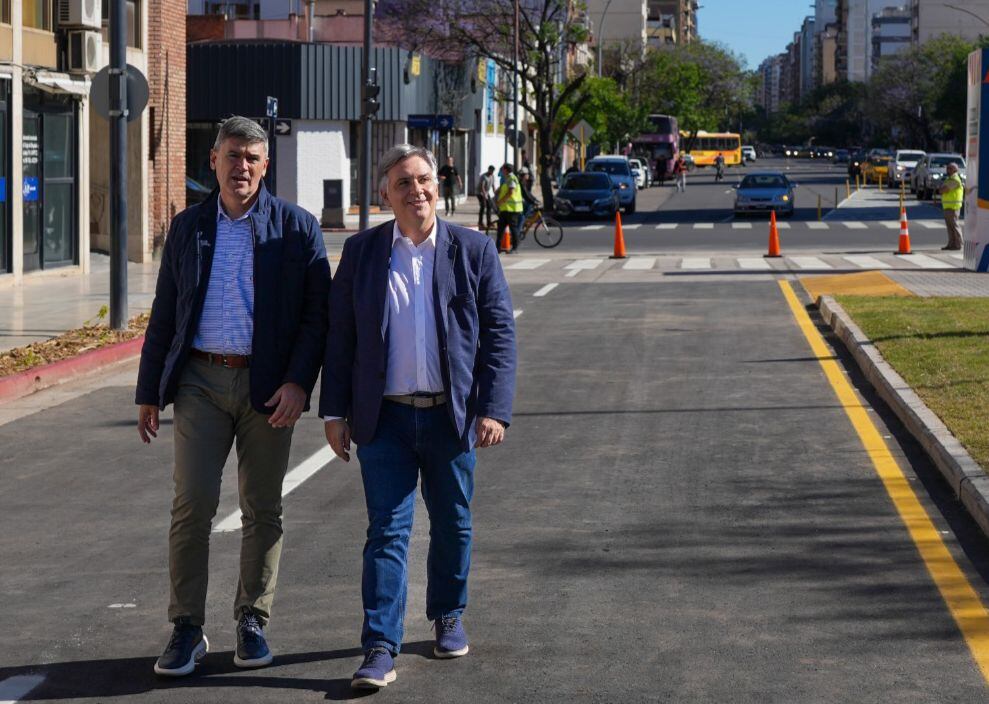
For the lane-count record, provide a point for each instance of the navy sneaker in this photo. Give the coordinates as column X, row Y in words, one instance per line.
column 185, row 648
column 451, row 640
column 377, row 670
column 252, row 650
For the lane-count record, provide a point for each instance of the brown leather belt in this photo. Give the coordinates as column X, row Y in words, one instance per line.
column 231, row 361
column 419, row 400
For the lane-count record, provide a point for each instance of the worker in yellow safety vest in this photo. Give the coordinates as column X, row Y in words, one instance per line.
column 952, row 197
column 510, row 206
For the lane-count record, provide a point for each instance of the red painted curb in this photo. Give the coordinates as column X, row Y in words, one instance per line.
column 31, row 380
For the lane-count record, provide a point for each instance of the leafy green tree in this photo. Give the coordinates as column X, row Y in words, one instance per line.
column 607, row 109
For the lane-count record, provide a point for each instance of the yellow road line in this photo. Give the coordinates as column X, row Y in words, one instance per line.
column 962, row 600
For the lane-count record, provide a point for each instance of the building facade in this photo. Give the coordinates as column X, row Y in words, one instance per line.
column 892, row 32
column 968, row 19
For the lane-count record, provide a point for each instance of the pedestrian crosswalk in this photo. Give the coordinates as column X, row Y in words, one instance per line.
column 800, row 263
column 753, row 224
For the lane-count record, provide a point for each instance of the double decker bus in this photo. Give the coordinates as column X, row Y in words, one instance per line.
column 659, row 146
column 707, row 145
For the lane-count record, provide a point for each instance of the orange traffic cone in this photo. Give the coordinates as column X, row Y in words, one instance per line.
column 774, row 236
column 904, row 233
column 506, row 241
column 619, row 237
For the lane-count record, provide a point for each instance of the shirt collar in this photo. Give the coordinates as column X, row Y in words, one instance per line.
column 396, row 235
column 222, row 214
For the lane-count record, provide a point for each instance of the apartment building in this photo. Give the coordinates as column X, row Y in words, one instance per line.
column 963, row 18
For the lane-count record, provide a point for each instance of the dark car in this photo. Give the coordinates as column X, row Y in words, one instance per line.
column 841, row 156
column 768, row 190
column 586, row 194
column 855, row 162
column 195, row 192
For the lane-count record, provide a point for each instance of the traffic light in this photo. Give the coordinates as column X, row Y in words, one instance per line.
column 370, row 95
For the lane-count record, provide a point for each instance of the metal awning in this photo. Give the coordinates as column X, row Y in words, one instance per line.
column 56, row 82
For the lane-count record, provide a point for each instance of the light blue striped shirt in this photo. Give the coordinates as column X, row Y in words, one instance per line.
column 227, row 322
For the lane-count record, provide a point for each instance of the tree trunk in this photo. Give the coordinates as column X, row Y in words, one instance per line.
column 545, row 182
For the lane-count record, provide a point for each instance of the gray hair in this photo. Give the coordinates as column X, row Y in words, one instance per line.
column 241, row 128
column 399, row 153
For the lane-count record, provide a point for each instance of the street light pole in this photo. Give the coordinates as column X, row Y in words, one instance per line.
column 601, row 34
column 515, row 77
column 967, row 12
column 365, row 184
column 118, row 165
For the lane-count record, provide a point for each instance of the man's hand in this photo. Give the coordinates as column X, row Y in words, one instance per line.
column 489, row 432
column 147, row 422
column 338, row 435
column 289, row 399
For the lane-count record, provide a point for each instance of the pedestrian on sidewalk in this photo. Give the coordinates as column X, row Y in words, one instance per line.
column 419, row 371
column 235, row 340
column 487, row 211
column 510, row 206
column 680, row 174
column 451, row 184
column 952, row 198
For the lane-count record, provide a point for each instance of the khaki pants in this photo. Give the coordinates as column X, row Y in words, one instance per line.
column 954, row 229
column 212, row 409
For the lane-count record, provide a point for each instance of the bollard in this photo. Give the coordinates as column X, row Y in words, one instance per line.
column 818, row 207
column 836, row 197
column 879, row 182
column 848, row 188
column 857, row 180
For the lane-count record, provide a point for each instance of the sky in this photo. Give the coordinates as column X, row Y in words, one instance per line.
column 753, row 28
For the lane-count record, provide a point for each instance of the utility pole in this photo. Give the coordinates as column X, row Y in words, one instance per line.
column 118, row 164
column 369, row 106
column 515, row 77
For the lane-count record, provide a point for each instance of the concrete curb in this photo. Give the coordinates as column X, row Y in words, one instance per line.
column 27, row 382
column 969, row 481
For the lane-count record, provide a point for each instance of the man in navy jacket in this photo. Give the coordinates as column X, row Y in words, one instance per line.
column 419, row 370
column 235, row 340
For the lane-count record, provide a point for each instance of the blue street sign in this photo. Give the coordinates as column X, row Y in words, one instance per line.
column 30, row 189
column 444, row 122
column 272, row 107
column 3, row 189
column 421, row 122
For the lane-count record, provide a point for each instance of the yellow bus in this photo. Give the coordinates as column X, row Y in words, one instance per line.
column 707, row 145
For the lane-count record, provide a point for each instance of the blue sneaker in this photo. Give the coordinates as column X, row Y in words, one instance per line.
column 185, row 648
column 451, row 640
column 377, row 670
column 252, row 649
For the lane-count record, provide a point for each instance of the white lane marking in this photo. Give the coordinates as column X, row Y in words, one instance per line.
column 640, row 263
column 782, row 226
column 931, row 224
column 809, row 263
column 14, row 688
column 925, row 262
column 956, row 255
column 814, row 225
column 122, row 606
column 516, row 313
column 592, row 227
column 866, row 262
column 855, row 225
column 528, row 264
column 581, row 265
column 633, row 226
column 703, row 225
column 292, row 481
column 544, row 290
column 667, row 226
column 741, row 226
column 753, row 263
column 890, row 225
column 695, row 263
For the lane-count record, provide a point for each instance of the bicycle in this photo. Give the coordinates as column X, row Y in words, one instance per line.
column 545, row 230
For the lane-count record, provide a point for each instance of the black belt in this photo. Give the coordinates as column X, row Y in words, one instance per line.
column 231, row 361
column 419, row 400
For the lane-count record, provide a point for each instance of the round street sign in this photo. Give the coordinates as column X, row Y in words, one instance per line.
column 137, row 92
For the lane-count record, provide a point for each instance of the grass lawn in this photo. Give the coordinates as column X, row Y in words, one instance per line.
column 940, row 346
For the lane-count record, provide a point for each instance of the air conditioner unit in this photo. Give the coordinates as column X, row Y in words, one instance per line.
column 85, row 51
column 79, row 13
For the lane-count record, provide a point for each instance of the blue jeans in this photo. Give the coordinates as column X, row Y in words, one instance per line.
column 410, row 442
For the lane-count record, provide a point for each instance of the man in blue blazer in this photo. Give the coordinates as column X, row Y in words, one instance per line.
column 419, row 371
column 235, row 340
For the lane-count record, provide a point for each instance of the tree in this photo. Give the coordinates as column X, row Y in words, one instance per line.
column 546, row 31
column 607, row 109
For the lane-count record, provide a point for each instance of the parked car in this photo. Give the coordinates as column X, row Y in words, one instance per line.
column 195, row 192
column 748, row 154
column 876, row 167
column 930, row 172
column 903, row 163
column 841, row 156
column 768, row 190
column 620, row 171
column 640, row 171
column 588, row 194
column 822, row 153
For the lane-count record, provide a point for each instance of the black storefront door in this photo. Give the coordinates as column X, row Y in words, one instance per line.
column 49, row 183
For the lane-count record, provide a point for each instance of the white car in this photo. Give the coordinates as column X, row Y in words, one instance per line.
column 748, row 154
column 639, row 171
column 903, row 164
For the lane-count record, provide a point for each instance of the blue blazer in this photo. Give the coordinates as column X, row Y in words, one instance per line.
column 475, row 328
column 291, row 289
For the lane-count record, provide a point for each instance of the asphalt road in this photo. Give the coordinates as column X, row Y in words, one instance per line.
column 682, row 512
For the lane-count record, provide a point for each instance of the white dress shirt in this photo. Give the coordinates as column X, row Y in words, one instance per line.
column 409, row 323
